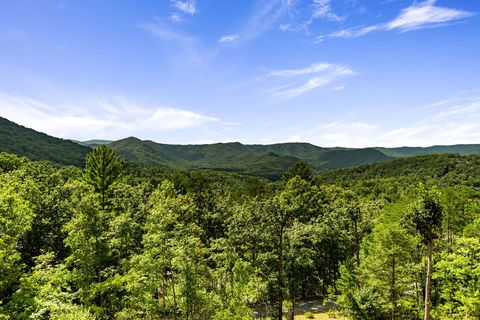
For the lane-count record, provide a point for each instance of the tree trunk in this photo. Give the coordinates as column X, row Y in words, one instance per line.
column 428, row 282
column 357, row 242
column 103, row 200
column 174, row 299
column 164, row 298
column 394, row 289
column 292, row 311
column 280, row 275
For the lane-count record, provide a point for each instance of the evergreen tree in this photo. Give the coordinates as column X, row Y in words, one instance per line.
column 102, row 169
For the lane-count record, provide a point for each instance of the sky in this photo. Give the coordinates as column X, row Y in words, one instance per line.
column 350, row 73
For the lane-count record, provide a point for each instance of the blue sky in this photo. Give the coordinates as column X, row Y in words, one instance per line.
column 352, row 73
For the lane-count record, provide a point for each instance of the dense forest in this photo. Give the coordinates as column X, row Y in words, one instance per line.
column 116, row 240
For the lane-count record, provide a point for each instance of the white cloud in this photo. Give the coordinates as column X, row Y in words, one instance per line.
column 228, row 38
column 111, row 118
column 418, row 16
column 299, row 81
column 187, row 7
column 449, row 122
column 302, row 17
column 425, row 14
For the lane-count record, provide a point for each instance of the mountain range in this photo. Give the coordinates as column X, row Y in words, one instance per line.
column 269, row 161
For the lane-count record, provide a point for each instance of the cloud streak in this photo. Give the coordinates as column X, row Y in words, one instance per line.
column 295, row 82
column 419, row 15
column 192, row 50
column 228, row 38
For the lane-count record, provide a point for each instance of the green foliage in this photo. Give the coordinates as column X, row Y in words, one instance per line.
column 458, row 273
column 10, row 162
column 46, row 292
column 15, row 220
column 363, row 303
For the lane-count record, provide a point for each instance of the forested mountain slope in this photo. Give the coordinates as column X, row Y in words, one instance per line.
column 232, row 157
column 35, row 145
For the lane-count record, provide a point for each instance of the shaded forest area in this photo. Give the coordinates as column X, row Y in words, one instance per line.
column 396, row 240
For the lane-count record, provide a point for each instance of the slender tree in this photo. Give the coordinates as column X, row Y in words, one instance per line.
column 426, row 217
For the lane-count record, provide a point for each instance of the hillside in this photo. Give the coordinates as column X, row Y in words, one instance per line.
column 35, row 145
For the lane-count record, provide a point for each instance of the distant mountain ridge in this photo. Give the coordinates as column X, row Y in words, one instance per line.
column 269, row 161
column 264, row 160
column 464, row 149
column 93, row 143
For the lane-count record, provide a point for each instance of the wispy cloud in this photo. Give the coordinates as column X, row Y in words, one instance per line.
column 112, row 118
column 187, row 7
column 419, row 15
column 289, row 15
column 228, row 38
column 165, row 33
column 191, row 49
column 323, row 9
column 303, row 14
column 296, row 82
column 265, row 17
